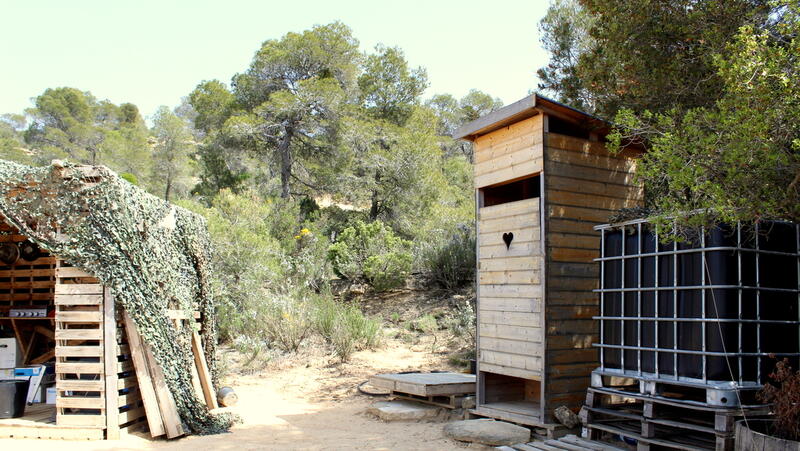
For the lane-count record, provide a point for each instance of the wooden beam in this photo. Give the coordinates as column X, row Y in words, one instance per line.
column 203, row 373
column 110, row 359
column 41, row 330
column 182, row 314
column 142, row 369
column 166, row 403
column 43, row 358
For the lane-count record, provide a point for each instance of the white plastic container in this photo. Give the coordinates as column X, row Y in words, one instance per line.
column 51, row 395
column 10, row 356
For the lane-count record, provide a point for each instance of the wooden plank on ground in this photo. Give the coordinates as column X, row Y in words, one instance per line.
column 203, row 373
column 149, row 398
column 166, row 403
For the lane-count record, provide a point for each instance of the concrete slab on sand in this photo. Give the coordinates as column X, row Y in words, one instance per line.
column 404, row 411
column 487, row 432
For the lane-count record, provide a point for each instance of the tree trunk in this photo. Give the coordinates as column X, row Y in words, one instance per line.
column 286, row 161
column 375, row 208
column 168, row 189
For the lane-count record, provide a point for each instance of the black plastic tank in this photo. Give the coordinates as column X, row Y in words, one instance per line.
column 692, row 308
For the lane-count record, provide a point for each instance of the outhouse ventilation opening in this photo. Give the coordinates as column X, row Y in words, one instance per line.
column 526, row 188
column 562, row 127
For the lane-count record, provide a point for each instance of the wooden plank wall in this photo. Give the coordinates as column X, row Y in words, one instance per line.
column 584, row 184
column 510, row 291
column 509, row 153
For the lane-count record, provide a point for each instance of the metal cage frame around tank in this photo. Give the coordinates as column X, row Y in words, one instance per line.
column 706, row 319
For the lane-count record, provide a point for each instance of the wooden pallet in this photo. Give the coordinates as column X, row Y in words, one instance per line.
column 25, row 283
column 426, row 384
column 446, row 401
column 568, row 442
column 80, row 364
column 690, row 392
column 661, row 421
column 39, row 422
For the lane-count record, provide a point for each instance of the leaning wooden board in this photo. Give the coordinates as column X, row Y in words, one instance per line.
column 426, row 384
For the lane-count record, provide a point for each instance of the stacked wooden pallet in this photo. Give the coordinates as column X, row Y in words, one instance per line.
column 676, row 417
column 81, row 385
column 26, row 283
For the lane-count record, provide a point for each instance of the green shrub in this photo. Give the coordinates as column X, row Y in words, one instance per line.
column 450, row 263
column 271, row 274
column 345, row 327
column 426, row 324
column 309, row 265
column 373, row 253
column 461, row 322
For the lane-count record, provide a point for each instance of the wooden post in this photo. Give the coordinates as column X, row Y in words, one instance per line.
column 141, row 367
column 110, row 359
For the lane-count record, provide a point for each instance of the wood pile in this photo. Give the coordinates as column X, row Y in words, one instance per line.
column 159, row 404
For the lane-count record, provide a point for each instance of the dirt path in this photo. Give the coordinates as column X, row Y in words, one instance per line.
column 308, row 403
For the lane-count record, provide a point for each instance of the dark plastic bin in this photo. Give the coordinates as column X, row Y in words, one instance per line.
column 13, row 395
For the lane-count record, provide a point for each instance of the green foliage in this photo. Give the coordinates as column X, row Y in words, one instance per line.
column 462, row 321
column 68, row 123
column 12, row 144
column 389, row 89
column 130, row 178
column 565, row 35
column 345, row 327
column 291, row 95
column 739, row 158
column 451, row 262
column 272, row 283
column 452, row 113
column 287, row 322
column 171, row 162
column 371, row 252
column 644, row 55
column 427, row 324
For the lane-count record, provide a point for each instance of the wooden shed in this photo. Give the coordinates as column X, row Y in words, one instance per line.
column 543, row 180
column 107, row 379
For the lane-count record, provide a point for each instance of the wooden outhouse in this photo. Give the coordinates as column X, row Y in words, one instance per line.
column 106, row 378
column 543, row 180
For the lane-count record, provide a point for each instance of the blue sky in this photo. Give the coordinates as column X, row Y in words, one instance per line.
column 152, row 53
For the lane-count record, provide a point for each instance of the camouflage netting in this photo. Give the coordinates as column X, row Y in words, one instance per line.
column 153, row 255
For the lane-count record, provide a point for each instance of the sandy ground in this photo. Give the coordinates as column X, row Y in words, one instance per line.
column 310, row 402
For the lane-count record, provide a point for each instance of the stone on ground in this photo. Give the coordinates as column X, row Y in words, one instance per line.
column 403, row 411
column 566, row 417
column 487, row 432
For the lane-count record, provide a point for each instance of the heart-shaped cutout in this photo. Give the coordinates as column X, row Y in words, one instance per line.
column 508, row 237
